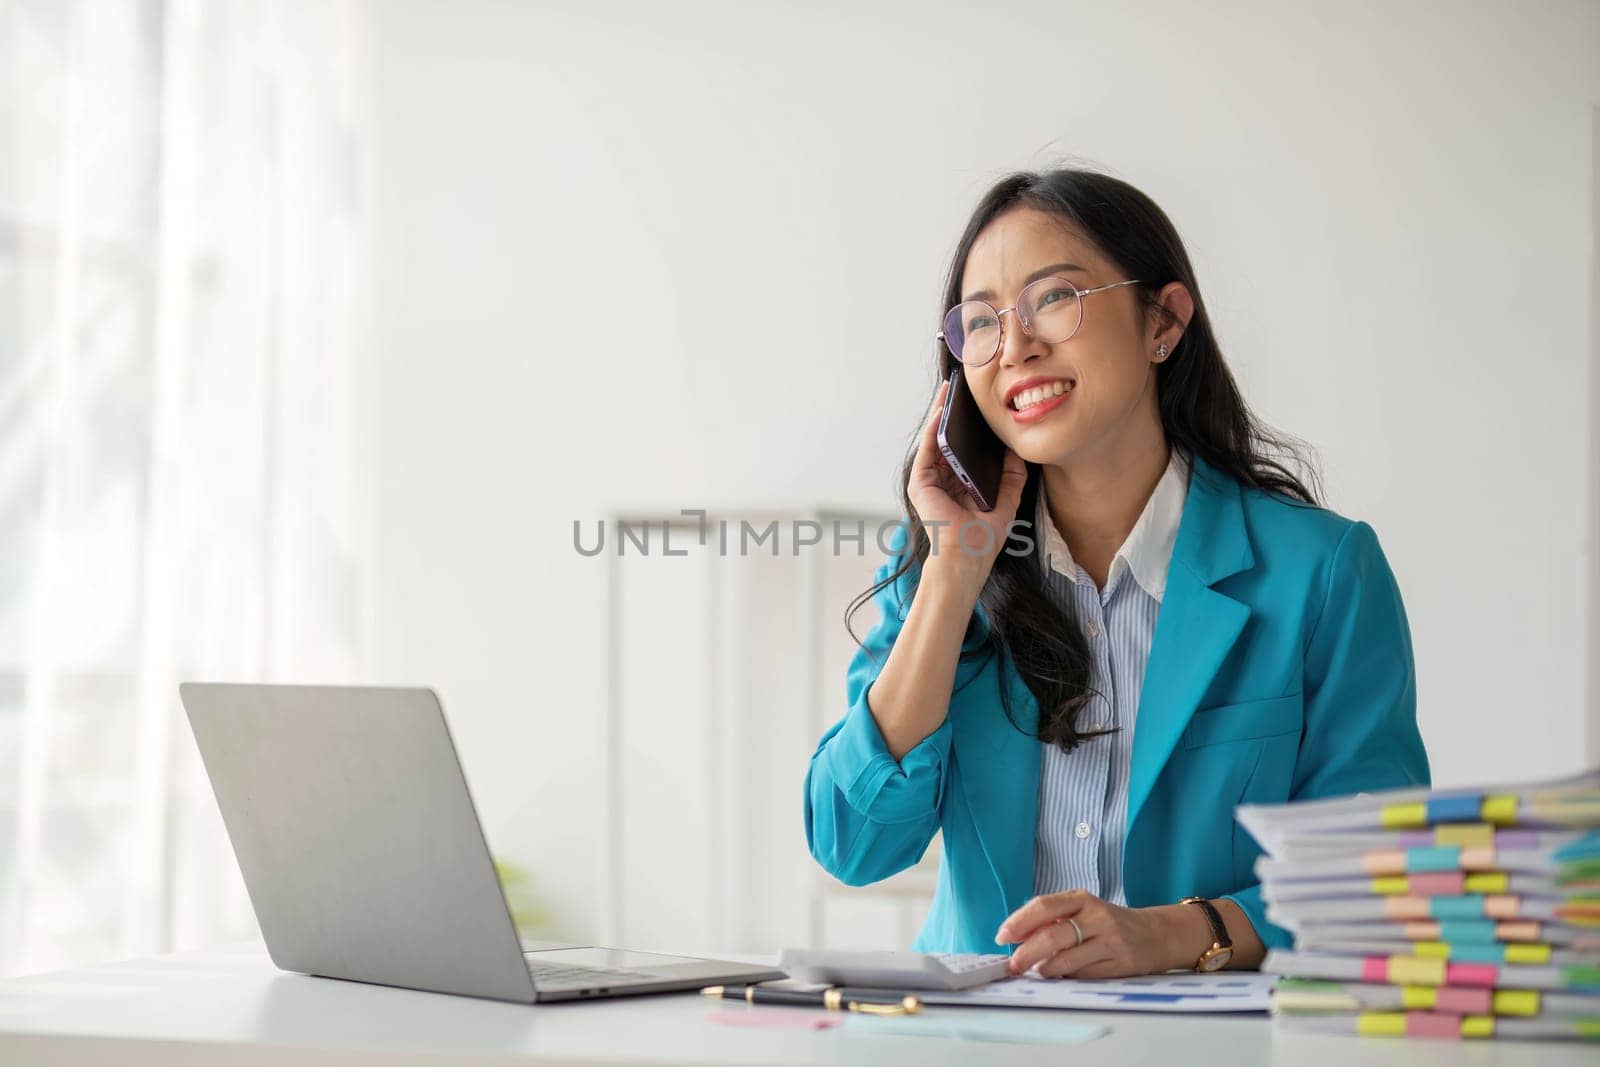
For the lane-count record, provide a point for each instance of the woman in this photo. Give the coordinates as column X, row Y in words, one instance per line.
column 1078, row 699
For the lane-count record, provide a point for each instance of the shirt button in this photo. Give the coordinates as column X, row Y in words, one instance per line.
column 1093, row 629
column 1082, row 830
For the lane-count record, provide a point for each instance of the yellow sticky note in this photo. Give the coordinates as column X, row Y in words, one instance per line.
column 1486, row 882
column 1527, row 953
column 1416, row 970
column 1418, row 997
column 1500, row 809
column 1404, row 816
column 1465, row 835
column 1382, row 1023
column 1515, row 1002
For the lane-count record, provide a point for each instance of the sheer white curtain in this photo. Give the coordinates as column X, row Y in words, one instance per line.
column 183, row 222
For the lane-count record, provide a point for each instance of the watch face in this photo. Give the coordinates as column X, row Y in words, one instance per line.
column 1215, row 959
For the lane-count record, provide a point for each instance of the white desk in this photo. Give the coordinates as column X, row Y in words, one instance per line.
column 232, row 1007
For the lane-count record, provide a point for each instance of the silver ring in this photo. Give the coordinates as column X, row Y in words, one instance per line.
column 1077, row 930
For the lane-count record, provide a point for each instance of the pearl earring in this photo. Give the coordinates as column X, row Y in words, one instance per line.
column 1161, row 351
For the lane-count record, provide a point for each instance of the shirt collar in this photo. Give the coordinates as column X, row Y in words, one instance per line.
column 1147, row 551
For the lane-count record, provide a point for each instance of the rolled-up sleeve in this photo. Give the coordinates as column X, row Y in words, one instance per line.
column 867, row 814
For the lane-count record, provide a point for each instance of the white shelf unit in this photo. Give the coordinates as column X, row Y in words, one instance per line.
column 724, row 670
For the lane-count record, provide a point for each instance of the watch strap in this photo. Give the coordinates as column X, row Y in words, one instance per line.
column 1219, row 932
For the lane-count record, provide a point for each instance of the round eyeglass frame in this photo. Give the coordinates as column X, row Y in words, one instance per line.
column 1027, row 327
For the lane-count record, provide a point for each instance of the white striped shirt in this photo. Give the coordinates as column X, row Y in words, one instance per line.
column 1083, row 795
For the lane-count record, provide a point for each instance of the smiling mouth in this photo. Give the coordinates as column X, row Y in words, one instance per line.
column 1039, row 394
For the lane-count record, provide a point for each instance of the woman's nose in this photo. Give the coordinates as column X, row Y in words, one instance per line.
column 1017, row 345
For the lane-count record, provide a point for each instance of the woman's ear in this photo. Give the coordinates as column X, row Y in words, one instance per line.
column 1174, row 309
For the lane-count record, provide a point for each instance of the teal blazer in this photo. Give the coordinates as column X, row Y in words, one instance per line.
column 1280, row 669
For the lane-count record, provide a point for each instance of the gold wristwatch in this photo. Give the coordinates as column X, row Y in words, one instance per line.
column 1221, row 951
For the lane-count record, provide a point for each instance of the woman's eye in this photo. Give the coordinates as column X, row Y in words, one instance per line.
column 1053, row 295
column 983, row 323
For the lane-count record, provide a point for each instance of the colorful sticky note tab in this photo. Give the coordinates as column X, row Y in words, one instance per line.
column 1500, row 809
column 1453, row 808
column 1404, row 816
column 1435, row 858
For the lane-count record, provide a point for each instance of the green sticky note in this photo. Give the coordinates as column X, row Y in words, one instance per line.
column 1017, row 1028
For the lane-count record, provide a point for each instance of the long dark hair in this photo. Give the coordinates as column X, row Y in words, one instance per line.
column 1201, row 410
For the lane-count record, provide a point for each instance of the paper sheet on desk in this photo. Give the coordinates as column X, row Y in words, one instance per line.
column 1238, row 991
column 1014, row 1027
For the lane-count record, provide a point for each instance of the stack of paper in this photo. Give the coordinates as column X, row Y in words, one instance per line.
column 1448, row 913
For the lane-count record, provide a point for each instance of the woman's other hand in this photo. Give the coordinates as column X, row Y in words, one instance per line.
column 1117, row 942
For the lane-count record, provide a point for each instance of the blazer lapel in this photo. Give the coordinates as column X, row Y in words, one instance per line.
column 1197, row 626
column 1000, row 780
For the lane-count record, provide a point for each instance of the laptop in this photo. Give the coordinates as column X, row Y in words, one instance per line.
column 364, row 858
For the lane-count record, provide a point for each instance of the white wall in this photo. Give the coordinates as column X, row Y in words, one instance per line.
column 604, row 228
column 1593, row 544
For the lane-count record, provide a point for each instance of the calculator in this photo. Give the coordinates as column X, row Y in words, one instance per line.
column 893, row 970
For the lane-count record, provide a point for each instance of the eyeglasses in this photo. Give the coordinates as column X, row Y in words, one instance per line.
column 1050, row 309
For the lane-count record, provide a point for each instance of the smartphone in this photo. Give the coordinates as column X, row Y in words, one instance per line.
column 973, row 450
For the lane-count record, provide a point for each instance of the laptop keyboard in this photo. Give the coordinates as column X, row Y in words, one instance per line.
column 551, row 975
column 963, row 962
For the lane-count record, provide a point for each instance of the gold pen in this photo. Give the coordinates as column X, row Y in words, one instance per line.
column 831, row 998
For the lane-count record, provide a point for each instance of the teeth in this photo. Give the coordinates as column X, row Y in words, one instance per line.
column 1029, row 397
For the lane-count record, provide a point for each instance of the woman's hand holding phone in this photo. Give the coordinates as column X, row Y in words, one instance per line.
column 911, row 696
column 938, row 496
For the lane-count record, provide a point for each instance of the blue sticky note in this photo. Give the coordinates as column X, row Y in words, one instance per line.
column 1150, row 998
column 1454, row 809
column 962, row 1024
column 1433, row 858
column 1469, row 906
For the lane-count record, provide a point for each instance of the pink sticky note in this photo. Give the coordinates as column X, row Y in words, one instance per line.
column 776, row 1018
